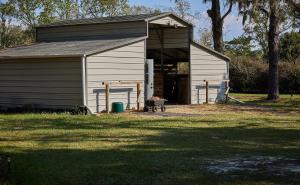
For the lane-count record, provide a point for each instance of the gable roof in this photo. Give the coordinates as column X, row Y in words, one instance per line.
column 115, row 19
column 211, row 51
column 66, row 49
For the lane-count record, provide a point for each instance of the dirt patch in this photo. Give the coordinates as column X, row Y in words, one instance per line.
column 275, row 166
column 202, row 110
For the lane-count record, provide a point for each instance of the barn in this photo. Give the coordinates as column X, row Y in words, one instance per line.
column 72, row 61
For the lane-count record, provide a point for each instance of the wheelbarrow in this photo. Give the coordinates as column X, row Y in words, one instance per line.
column 155, row 104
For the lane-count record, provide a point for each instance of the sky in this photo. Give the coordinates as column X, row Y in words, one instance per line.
column 232, row 26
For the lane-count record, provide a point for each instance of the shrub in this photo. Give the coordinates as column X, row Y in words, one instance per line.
column 248, row 75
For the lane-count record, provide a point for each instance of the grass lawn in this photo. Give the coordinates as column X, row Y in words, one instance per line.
column 52, row 149
column 286, row 102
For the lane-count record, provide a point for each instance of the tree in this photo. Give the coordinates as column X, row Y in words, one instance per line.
column 102, row 8
column 257, row 30
column 47, row 13
column 218, row 21
column 206, row 37
column 273, row 10
column 66, row 9
column 240, row 46
column 137, row 9
column 26, row 11
column 10, row 35
column 258, row 26
column 290, row 47
column 6, row 11
column 30, row 13
column 182, row 9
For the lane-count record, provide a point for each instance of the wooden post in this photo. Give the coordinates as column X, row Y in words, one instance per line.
column 107, row 97
column 138, row 91
column 207, row 91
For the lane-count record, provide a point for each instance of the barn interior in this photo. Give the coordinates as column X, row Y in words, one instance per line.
column 168, row 45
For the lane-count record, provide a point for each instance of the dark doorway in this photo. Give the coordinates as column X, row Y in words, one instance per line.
column 171, row 78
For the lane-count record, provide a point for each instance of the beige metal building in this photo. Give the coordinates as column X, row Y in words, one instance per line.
column 71, row 60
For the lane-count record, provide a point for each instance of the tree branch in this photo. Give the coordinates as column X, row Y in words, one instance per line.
column 228, row 11
column 295, row 5
column 264, row 11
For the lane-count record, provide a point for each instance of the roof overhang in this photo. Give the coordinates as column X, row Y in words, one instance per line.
column 40, row 56
column 179, row 20
column 93, row 48
column 211, row 51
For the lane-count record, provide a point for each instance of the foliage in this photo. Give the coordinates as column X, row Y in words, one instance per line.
column 27, row 13
column 289, row 77
column 102, row 8
column 206, row 37
column 10, row 35
column 183, row 9
column 256, row 24
column 140, row 9
column 218, row 19
column 240, row 46
column 66, row 9
column 14, row 36
column 257, row 30
column 249, row 75
column 290, row 46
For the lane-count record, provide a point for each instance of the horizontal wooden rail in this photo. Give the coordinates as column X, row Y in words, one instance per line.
column 107, row 91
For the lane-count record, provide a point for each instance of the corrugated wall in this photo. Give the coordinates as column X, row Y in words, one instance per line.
column 168, row 20
column 124, row 63
column 94, row 31
column 45, row 83
column 205, row 66
column 173, row 38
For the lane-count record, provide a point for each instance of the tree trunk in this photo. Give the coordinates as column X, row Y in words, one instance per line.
column 217, row 25
column 273, row 93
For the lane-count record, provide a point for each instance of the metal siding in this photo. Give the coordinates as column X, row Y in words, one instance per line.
column 88, row 32
column 167, row 21
column 46, row 83
column 173, row 38
column 205, row 66
column 125, row 63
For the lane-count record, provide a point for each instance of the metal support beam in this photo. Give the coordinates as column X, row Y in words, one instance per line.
column 162, row 71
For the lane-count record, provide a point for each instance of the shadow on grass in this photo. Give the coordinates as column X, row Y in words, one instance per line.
column 283, row 105
column 177, row 155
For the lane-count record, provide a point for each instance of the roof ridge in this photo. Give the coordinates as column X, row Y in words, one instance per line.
column 139, row 17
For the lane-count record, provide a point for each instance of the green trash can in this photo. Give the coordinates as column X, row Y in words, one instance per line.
column 117, row 107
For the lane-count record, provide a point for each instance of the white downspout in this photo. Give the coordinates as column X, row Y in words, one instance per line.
column 84, row 84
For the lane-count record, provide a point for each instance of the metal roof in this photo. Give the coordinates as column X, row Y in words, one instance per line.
column 212, row 51
column 66, row 49
column 115, row 19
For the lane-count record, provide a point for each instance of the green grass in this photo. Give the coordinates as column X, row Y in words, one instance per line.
column 52, row 149
column 286, row 102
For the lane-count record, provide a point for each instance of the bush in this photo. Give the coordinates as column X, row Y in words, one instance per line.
column 289, row 77
column 249, row 75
